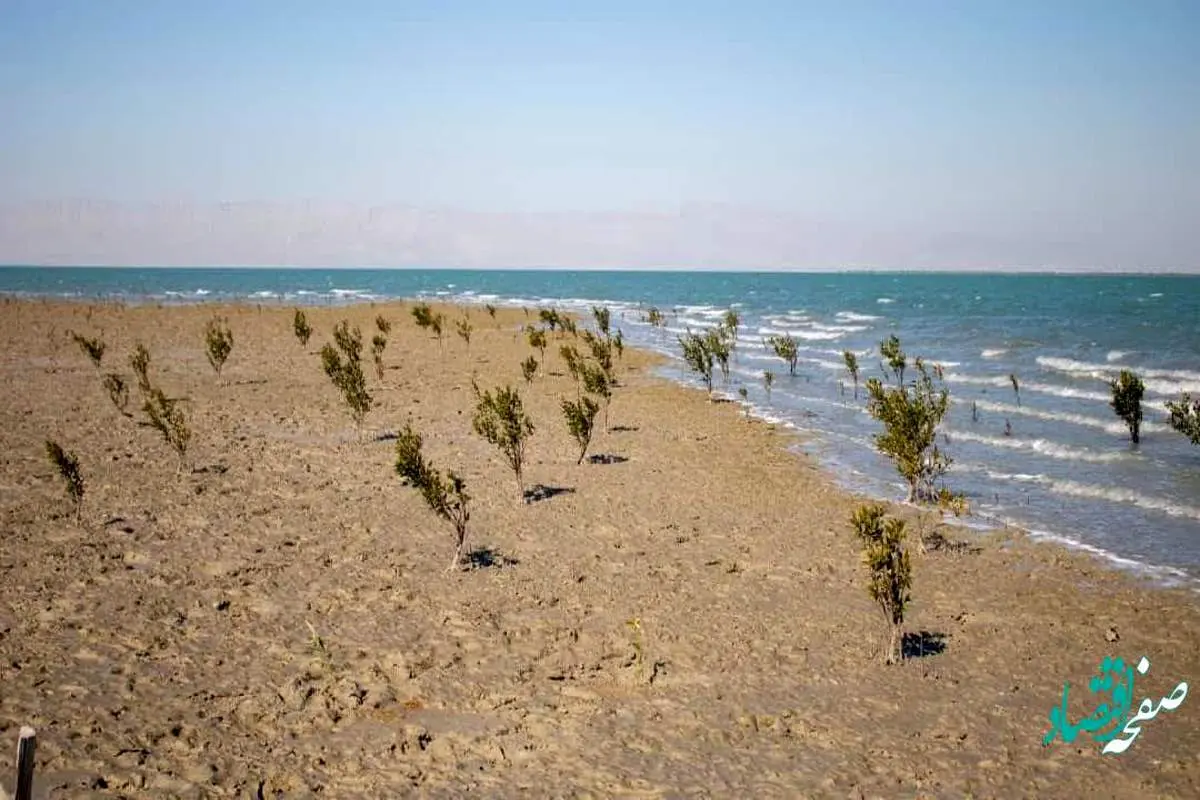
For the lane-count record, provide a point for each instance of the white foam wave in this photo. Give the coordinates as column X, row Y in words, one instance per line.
column 854, row 316
column 884, row 300
column 1115, row 427
column 1117, row 355
column 801, row 333
column 1184, row 377
column 994, row 353
column 1043, row 447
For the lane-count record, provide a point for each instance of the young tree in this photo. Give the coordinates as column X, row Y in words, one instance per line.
column 1185, row 416
column 718, row 343
column 67, row 465
column 597, row 381
column 166, row 417
column 529, row 369
column 910, row 416
column 744, row 394
column 301, row 327
column 463, row 327
column 383, row 324
column 852, row 367
column 537, row 340
column 445, row 495
column 655, row 318
column 139, row 361
column 218, row 343
column 894, row 357
column 618, row 342
column 603, row 320
column 423, row 315
column 491, row 311
column 437, row 325
column 785, row 347
column 1127, row 390
column 118, row 392
column 1016, row 387
column 574, row 361
column 888, row 568
column 731, row 321
column 768, row 382
column 92, row 348
column 581, row 421
column 500, row 418
column 698, row 357
column 343, row 365
column 378, row 344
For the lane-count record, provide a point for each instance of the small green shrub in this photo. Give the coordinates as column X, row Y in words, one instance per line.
column 529, row 368
column 1127, row 390
column 598, row 382
column 744, row 394
column 1185, row 416
column 165, row 416
column 768, row 382
column 581, row 419
column 139, row 361
column 894, row 357
column 731, row 322
column 574, row 361
column 655, row 318
column 67, row 465
column 500, row 418
column 618, row 342
column 118, row 392
column 491, row 311
column 698, row 357
column 92, row 348
column 445, row 495
column 383, row 324
column 463, row 328
column 378, row 345
column 537, row 340
column 603, row 318
column 911, row 416
column 438, row 326
column 785, row 347
column 218, row 343
column 550, row 318
column 343, row 365
column 889, row 570
column 718, row 343
column 423, row 315
column 852, row 367
column 301, row 327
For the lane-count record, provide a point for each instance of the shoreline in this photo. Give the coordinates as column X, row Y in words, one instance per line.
column 732, row 551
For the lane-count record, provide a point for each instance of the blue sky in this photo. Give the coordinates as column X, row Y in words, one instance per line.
column 1032, row 128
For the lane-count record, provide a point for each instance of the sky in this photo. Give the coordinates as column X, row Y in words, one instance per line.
column 970, row 134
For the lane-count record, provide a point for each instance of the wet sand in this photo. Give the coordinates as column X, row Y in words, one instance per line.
column 163, row 648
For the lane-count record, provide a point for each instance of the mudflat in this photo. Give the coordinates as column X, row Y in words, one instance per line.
column 686, row 619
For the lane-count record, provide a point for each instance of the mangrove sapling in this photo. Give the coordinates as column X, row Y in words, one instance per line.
column 529, row 369
column 1127, row 390
column 567, row 325
column 888, row 567
column 445, row 495
column 165, row 416
column 343, row 365
column 139, row 361
column 218, row 343
column 581, row 421
column 537, row 340
column 618, row 341
column 1012, row 377
column 768, row 382
column 378, row 344
column 717, row 342
column 731, row 321
column 910, row 416
column 383, row 324
column 698, row 357
column 491, row 311
column 463, row 328
column 894, row 357
column 574, row 361
column 423, row 315
column 603, row 318
column 550, row 318
column 742, row 393
column 599, row 382
column 92, row 348
column 852, row 367
column 500, row 418
column 438, row 327
column 655, row 318
column 602, row 352
column 1185, row 416
column 785, row 347
column 301, row 327
column 118, row 392
column 67, row 465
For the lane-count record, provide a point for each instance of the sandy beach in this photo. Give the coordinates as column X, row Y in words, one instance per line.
column 165, row 646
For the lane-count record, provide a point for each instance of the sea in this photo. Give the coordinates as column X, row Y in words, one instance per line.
column 1053, row 460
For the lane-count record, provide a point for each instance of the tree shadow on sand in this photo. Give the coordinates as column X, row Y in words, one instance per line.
column 624, row 429
column 487, row 557
column 607, row 458
column 925, row 643
column 543, row 492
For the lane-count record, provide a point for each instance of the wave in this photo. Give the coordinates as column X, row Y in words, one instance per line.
column 1184, row 377
column 1117, row 428
column 1117, row 355
column 1043, row 447
column 994, row 353
column 1089, row 491
column 801, row 333
column 854, row 316
column 884, row 300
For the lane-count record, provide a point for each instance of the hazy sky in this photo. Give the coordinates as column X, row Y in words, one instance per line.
column 1005, row 134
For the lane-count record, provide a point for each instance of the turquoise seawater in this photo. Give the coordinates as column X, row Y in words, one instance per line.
column 1066, row 471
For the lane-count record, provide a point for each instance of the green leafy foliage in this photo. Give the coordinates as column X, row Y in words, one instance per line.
column 446, row 495
column 378, row 345
column 603, row 318
column 852, row 367
column 894, row 358
column 537, row 340
column 785, row 347
column 581, row 418
column 218, row 343
column 529, row 368
column 573, row 360
column 768, row 382
column 92, row 348
column 423, row 315
column 383, row 324
column 655, row 318
column 118, row 392
column 717, row 341
column 165, row 416
column 888, row 567
column 731, row 322
column 438, row 326
column 491, row 310
column 698, row 357
column 500, row 418
column 343, row 365
column 1127, row 391
column 1185, row 416
column 550, row 318
column 618, row 342
column 463, row 328
column 67, row 465
column 744, row 394
column 911, row 416
column 301, row 327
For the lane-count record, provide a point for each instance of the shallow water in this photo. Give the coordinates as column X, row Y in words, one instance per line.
column 1067, row 471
